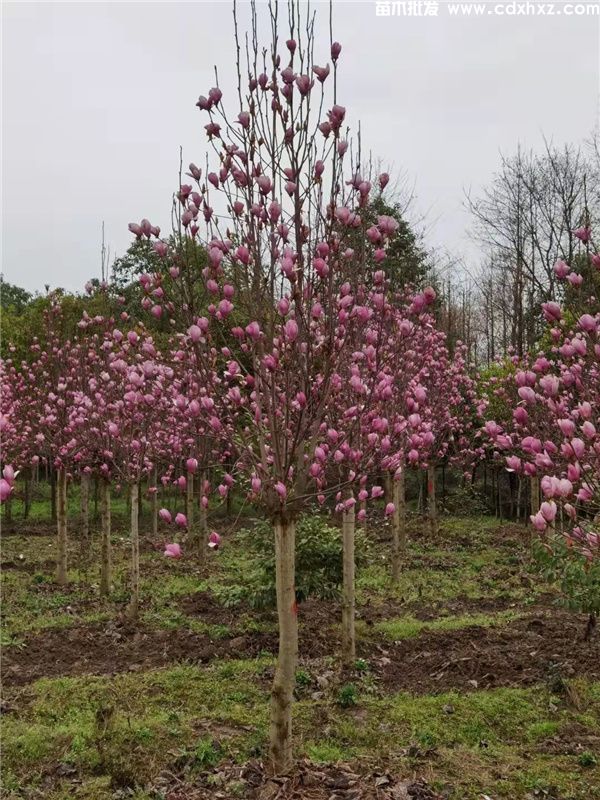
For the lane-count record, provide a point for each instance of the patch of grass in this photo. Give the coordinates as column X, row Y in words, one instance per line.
column 325, row 752
column 408, row 627
column 479, row 742
column 130, row 723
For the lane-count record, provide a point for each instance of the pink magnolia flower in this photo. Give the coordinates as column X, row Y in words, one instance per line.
column 587, row 323
column 513, row 463
column 173, row 550
column 181, row 520
column 214, row 540
column 584, row 233
column 561, row 269
column 538, row 521
column 527, row 394
column 5, row 490
column 548, row 510
column 291, row 330
column 165, row 515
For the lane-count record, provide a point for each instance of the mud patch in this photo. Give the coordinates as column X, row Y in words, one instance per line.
column 372, row 613
column 101, row 649
column 546, row 648
column 109, row 648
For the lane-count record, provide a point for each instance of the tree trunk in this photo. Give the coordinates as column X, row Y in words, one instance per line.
column 282, row 692
column 53, row 493
column 61, row 521
column 362, row 506
column 387, row 487
column 133, row 609
column 398, row 526
column 189, row 504
column 431, row 501
column 27, row 495
column 348, row 591
column 444, row 485
column 8, row 510
column 154, row 505
column 140, row 503
column 95, row 498
column 202, row 536
column 84, row 544
column 500, row 508
column 105, row 549
column 535, row 494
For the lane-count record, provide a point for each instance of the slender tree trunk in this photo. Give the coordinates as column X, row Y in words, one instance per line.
column 398, row 525
column 444, row 485
column 8, row 510
column 105, row 549
column 84, row 544
column 134, row 603
column 61, row 520
column 431, row 500
column 362, row 506
column 27, row 495
column 53, row 494
column 348, row 590
column 500, row 508
column 387, row 487
column 154, row 505
column 282, row 692
column 140, row 503
column 189, row 504
column 96, row 498
column 202, row 536
column 534, row 485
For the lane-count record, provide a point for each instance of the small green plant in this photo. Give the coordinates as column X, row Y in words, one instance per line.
column 347, row 696
column 587, row 760
column 361, row 665
column 318, row 564
column 303, row 678
column 207, row 752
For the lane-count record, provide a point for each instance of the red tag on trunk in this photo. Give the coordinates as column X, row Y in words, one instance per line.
column 295, row 608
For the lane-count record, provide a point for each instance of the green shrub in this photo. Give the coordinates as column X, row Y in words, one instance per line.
column 577, row 578
column 319, row 571
column 347, row 696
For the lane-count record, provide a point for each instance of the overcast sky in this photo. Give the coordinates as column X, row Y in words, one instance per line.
column 98, row 97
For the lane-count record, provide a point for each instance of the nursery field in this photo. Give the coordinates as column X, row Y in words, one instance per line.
column 470, row 681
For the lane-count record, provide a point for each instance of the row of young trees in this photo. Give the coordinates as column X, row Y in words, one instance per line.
column 304, row 371
column 293, row 367
column 549, row 429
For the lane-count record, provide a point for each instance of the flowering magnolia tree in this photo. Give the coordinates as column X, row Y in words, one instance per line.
column 288, row 355
column 128, row 406
column 46, row 414
column 554, row 434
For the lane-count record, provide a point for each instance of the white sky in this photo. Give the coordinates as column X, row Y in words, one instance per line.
column 98, row 97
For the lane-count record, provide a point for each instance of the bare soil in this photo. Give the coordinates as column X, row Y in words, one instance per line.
column 534, row 649
column 544, row 646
